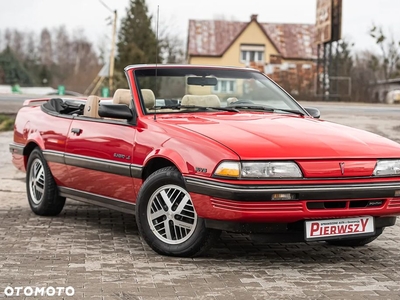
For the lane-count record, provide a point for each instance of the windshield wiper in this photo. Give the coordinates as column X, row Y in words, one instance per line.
column 267, row 108
column 297, row 112
column 178, row 107
column 251, row 106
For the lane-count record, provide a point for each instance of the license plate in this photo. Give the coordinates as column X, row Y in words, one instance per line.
column 326, row 229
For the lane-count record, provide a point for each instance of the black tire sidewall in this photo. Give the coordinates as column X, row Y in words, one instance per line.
column 161, row 178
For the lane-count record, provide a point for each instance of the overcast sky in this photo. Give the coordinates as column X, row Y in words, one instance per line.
column 90, row 15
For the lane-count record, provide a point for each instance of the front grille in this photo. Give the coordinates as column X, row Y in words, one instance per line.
column 394, row 203
column 350, row 204
column 270, row 206
column 297, row 206
column 326, row 204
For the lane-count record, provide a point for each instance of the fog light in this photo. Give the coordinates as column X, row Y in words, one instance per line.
column 397, row 193
column 283, row 196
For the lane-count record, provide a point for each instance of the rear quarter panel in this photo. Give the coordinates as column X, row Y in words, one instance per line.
column 33, row 127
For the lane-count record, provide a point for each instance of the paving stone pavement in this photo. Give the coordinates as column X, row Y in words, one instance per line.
column 100, row 254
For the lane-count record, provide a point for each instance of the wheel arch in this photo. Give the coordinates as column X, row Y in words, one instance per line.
column 29, row 147
column 164, row 158
column 154, row 164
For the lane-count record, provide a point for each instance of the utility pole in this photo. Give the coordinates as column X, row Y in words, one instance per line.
column 112, row 54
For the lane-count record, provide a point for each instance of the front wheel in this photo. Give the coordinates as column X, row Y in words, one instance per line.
column 167, row 218
column 356, row 242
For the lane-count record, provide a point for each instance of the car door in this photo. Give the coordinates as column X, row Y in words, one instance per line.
column 99, row 157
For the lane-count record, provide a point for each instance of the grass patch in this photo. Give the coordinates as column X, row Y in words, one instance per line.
column 6, row 123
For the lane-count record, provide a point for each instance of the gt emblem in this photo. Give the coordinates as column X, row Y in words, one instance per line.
column 341, row 164
column 201, row 170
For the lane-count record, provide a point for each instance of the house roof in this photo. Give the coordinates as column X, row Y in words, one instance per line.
column 214, row 37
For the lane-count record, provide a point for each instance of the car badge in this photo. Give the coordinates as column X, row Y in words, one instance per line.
column 341, row 164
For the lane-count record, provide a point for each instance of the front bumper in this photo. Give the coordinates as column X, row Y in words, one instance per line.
column 283, row 232
column 221, row 201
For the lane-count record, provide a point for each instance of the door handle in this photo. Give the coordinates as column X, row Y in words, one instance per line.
column 76, row 131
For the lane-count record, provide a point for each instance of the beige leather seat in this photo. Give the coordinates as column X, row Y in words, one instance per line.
column 150, row 101
column 92, row 107
column 148, row 98
column 201, row 100
column 122, row 96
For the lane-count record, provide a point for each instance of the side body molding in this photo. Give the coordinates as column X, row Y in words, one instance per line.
column 102, row 165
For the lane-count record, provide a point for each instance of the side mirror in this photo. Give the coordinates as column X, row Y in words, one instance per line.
column 115, row 111
column 314, row 112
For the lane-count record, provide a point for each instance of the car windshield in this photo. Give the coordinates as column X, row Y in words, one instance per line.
column 185, row 89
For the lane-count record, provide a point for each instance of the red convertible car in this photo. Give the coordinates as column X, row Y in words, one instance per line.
column 194, row 150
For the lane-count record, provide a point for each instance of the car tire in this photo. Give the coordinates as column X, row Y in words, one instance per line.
column 356, row 242
column 41, row 188
column 171, row 227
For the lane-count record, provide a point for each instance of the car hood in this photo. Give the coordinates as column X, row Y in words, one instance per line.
column 278, row 136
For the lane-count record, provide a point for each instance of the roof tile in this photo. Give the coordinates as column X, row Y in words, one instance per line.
column 213, row 37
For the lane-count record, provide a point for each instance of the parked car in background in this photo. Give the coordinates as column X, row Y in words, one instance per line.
column 393, row 97
column 194, row 150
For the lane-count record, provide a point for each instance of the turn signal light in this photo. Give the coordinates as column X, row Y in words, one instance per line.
column 283, row 197
column 397, row 193
column 228, row 169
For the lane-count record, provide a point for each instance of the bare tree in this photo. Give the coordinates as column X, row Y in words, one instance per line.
column 2, row 46
column 31, row 47
column 18, row 43
column 7, row 37
column 85, row 65
column 172, row 49
column 46, row 48
column 389, row 61
column 362, row 75
column 62, row 47
column 171, row 44
column 57, row 57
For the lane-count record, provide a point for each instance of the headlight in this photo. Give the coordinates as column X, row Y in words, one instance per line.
column 258, row 170
column 270, row 170
column 387, row 167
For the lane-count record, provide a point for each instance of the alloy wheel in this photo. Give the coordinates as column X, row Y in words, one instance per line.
column 37, row 181
column 171, row 214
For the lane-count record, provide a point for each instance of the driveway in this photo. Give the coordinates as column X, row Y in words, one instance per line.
column 99, row 253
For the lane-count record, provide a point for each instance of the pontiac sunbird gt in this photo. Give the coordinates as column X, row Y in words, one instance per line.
column 195, row 150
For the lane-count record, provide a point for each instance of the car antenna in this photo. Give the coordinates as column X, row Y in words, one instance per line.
column 155, row 102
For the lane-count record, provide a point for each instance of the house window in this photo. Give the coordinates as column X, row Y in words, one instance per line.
column 225, row 87
column 252, row 53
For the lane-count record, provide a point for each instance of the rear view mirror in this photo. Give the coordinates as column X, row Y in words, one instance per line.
column 314, row 112
column 202, row 81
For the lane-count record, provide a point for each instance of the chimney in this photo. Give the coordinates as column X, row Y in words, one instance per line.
column 253, row 18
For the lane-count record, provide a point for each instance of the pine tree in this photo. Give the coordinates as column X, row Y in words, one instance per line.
column 13, row 72
column 137, row 40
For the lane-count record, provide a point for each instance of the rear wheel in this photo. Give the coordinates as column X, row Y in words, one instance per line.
column 356, row 242
column 41, row 188
column 167, row 218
